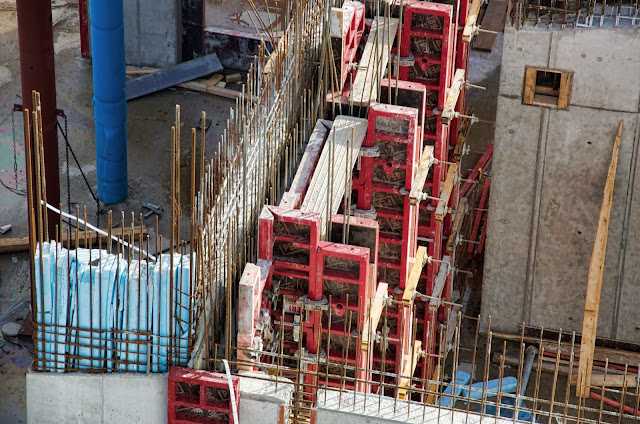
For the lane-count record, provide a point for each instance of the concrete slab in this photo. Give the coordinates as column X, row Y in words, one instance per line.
column 334, row 409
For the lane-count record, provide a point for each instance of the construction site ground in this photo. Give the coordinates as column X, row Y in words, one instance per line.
column 149, row 122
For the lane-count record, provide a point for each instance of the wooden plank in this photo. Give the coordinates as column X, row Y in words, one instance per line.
column 343, row 144
column 204, row 87
column 373, row 317
column 445, row 193
column 463, row 134
column 565, row 90
column 433, row 386
column 438, row 284
column 553, row 334
column 414, row 274
column 215, row 79
column 21, row 244
column 532, row 335
column 594, row 280
column 277, row 55
column 426, row 160
column 409, row 363
column 493, row 20
column 453, row 93
column 470, row 25
column 136, row 71
column 600, row 354
column 373, row 64
column 529, row 85
column 458, row 219
column 612, row 380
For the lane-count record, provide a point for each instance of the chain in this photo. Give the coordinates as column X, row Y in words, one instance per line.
column 15, row 190
column 70, row 149
column 15, row 149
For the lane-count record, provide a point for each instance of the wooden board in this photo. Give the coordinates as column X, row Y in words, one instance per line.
column 493, row 20
column 472, row 21
column 21, row 244
column 373, row 64
column 594, row 279
column 458, row 218
column 445, row 193
column 409, row 363
column 373, row 317
column 438, row 285
column 426, row 160
column 414, row 274
column 600, row 354
column 343, row 143
column 453, row 93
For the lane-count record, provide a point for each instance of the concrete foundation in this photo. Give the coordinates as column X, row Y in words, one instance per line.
column 140, row 398
column 153, row 32
column 549, row 171
column 96, row 398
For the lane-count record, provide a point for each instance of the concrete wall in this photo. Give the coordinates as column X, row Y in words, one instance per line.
column 153, row 32
column 96, row 398
column 548, row 176
column 54, row 398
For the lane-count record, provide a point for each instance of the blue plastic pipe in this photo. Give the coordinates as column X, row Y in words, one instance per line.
column 109, row 98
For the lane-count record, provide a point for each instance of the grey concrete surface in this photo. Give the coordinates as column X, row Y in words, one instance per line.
column 335, row 409
column 96, row 398
column 153, row 32
column 549, row 171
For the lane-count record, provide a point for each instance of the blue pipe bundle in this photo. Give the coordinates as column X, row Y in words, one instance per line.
column 96, row 310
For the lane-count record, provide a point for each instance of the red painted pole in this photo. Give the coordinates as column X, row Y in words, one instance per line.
column 37, row 72
column 611, row 402
column 83, row 19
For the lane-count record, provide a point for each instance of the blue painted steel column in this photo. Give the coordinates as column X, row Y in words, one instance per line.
column 109, row 98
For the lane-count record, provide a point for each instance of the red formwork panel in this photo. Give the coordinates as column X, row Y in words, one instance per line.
column 347, row 284
column 289, row 238
column 384, row 180
column 250, row 312
column 200, row 391
column 428, row 34
column 350, row 36
column 405, row 93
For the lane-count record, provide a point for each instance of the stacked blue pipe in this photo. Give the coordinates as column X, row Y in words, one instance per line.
column 109, row 98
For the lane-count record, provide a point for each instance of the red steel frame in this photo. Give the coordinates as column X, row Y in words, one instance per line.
column 204, row 380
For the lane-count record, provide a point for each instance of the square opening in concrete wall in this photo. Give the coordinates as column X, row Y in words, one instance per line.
column 547, row 87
